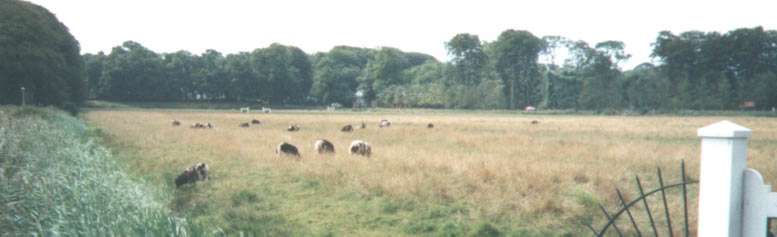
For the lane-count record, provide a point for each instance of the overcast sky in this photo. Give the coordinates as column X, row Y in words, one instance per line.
column 231, row 26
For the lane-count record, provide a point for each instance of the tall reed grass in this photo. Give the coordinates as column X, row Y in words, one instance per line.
column 56, row 180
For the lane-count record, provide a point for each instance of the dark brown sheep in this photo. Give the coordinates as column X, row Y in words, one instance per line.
column 176, row 123
column 244, row 125
column 361, row 148
column 323, row 146
column 430, row 125
column 203, row 125
column 347, row 128
column 535, row 122
column 198, row 172
column 287, row 149
column 256, row 121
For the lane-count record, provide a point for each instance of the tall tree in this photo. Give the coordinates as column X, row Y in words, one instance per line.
column 469, row 58
column 336, row 73
column 179, row 70
column 701, row 65
column 284, row 74
column 614, row 50
column 516, row 63
column 38, row 52
column 600, row 88
column 94, row 64
column 644, row 88
column 135, row 73
column 384, row 71
column 243, row 82
column 210, row 78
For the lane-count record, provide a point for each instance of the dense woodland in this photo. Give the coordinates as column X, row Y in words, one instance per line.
column 697, row 70
column 694, row 70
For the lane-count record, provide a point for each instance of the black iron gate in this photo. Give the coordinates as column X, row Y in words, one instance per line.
column 628, row 206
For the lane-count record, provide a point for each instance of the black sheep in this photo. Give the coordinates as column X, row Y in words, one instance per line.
column 287, row 149
column 198, row 172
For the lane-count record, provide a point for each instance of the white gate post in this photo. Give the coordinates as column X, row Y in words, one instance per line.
column 755, row 204
column 723, row 162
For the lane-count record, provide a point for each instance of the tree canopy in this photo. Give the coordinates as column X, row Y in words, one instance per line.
column 694, row 70
column 38, row 52
column 691, row 70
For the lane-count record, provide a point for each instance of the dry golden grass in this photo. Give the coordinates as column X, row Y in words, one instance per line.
column 500, row 167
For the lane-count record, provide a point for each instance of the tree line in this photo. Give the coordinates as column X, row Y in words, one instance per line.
column 694, row 70
column 277, row 74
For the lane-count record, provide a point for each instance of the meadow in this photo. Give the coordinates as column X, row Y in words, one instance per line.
column 475, row 173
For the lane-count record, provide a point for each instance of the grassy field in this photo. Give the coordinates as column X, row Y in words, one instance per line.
column 473, row 174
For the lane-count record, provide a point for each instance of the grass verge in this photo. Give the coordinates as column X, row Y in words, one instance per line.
column 57, row 180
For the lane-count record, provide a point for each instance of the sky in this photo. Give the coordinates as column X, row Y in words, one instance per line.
column 231, row 26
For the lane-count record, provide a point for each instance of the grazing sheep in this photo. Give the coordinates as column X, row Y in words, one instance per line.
column 176, row 123
column 384, row 123
column 287, row 149
column 203, row 125
column 202, row 170
column 293, row 128
column 363, row 125
column 535, row 122
column 198, row 172
column 244, row 125
column 188, row 176
column 256, row 121
column 347, row 128
column 361, row 148
column 322, row 146
column 430, row 125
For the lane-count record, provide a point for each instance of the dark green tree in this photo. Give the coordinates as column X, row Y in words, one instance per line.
column 600, row 77
column 94, row 64
column 179, row 68
column 283, row 73
column 644, row 89
column 243, row 82
column 469, row 58
column 516, row 63
column 135, row 73
column 336, row 73
column 386, row 68
column 38, row 52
